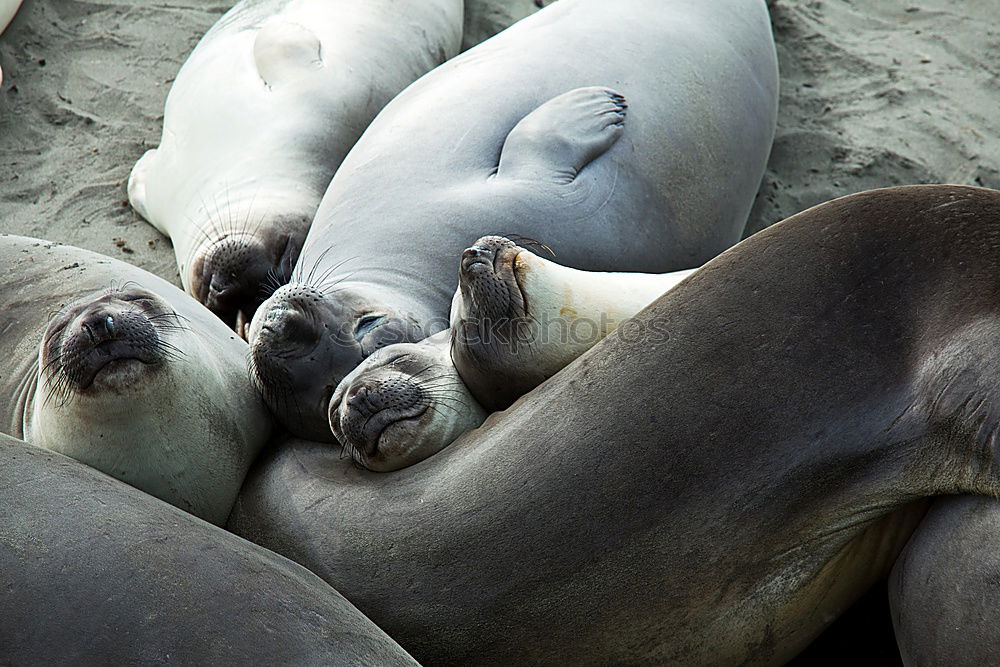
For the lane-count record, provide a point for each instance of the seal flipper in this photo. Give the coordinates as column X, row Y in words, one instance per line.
column 564, row 135
column 284, row 51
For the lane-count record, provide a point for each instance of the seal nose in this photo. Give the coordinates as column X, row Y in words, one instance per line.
column 360, row 400
column 99, row 326
column 476, row 255
column 221, row 285
column 287, row 325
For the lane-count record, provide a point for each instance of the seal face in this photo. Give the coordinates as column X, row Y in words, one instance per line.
column 110, row 341
column 492, row 326
column 403, row 404
column 231, row 274
column 303, row 341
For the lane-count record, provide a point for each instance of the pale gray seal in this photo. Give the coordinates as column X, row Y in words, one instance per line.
column 96, row 572
column 117, row 368
column 527, row 134
column 258, row 120
column 712, row 484
column 518, row 318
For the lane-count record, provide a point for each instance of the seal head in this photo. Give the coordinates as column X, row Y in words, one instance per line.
column 303, row 332
column 403, row 404
column 232, row 273
column 129, row 386
column 491, row 324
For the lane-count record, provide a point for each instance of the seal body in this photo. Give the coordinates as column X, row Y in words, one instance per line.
column 944, row 587
column 258, row 120
column 639, row 146
column 638, row 507
column 117, row 368
column 96, row 571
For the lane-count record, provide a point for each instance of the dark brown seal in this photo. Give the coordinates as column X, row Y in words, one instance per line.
column 714, row 483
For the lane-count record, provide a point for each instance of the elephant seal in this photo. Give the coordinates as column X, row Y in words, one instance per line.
column 945, row 585
column 258, row 120
column 712, row 484
column 97, row 572
column 117, row 368
column 544, row 152
column 517, row 319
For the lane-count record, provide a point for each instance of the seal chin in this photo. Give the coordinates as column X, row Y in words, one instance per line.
column 111, row 341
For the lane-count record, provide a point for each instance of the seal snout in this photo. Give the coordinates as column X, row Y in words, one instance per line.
column 228, row 276
column 487, row 253
column 287, row 322
column 370, row 405
column 104, row 337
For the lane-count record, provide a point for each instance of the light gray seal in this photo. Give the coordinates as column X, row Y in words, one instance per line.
column 96, row 572
column 117, row 368
column 260, row 117
column 527, row 134
column 712, row 484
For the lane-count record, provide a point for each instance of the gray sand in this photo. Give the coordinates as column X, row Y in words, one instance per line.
column 875, row 93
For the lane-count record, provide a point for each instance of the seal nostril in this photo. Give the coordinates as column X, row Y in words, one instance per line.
column 475, row 255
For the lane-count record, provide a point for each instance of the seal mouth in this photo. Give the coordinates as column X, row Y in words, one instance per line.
column 113, row 364
column 361, row 414
column 227, row 277
column 109, row 342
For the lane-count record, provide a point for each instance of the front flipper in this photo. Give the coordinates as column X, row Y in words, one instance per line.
column 561, row 137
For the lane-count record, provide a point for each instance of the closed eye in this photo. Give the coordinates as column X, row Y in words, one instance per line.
column 366, row 323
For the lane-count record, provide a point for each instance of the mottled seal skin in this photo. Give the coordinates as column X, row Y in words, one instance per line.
column 639, row 146
column 639, row 506
column 97, row 572
column 517, row 318
column 257, row 121
column 945, row 586
column 115, row 367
